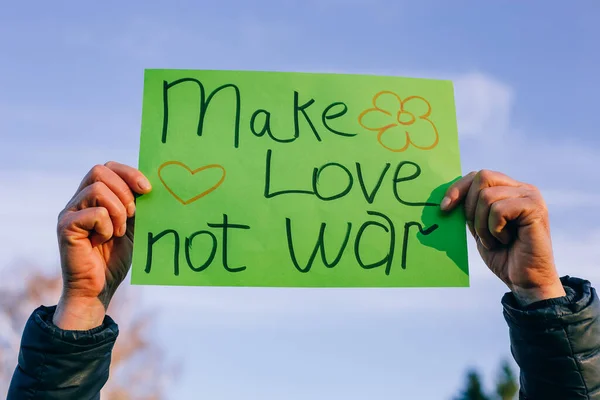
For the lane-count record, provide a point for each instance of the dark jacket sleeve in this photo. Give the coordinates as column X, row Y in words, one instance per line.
column 556, row 343
column 58, row 364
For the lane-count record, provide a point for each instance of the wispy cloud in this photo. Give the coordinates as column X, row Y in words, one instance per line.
column 483, row 105
column 491, row 139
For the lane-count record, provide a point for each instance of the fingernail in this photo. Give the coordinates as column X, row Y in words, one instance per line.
column 144, row 184
column 445, row 203
column 131, row 210
column 123, row 229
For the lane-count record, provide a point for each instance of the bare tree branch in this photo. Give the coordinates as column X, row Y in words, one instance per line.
column 138, row 368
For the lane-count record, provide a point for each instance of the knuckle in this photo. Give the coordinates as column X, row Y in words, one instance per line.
column 101, row 213
column 120, row 213
column 97, row 189
column 60, row 216
column 496, row 209
column 124, row 193
column 485, row 175
column 535, row 195
column 97, row 172
column 486, row 196
column 109, row 164
column 542, row 207
column 63, row 222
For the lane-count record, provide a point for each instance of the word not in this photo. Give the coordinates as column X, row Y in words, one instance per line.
column 225, row 226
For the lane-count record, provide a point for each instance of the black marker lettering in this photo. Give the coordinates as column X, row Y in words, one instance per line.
column 302, row 109
column 424, row 232
column 267, row 192
column 389, row 257
column 370, row 196
column 204, row 103
column 153, row 239
column 315, row 180
column 415, row 175
column 188, row 246
column 226, row 225
column 266, row 127
column 320, row 245
column 326, row 116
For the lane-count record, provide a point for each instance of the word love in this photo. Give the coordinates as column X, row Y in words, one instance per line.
column 369, row 190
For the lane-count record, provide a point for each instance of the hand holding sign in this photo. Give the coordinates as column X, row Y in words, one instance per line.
column 95, row 233
column 509, row 221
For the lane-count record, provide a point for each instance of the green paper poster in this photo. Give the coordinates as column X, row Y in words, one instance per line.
column 297, row 180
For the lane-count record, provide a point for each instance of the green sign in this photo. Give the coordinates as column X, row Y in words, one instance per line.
column 297, row 179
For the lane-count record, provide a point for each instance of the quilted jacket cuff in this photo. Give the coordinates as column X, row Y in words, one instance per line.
column 42, row 318
column 573, row 306
column 60, row 364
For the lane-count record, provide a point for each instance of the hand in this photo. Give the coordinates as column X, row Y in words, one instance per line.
column 95, row 235
column 510, row 223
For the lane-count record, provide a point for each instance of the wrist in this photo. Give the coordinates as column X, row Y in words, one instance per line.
column 77, row 313
column 527, row 296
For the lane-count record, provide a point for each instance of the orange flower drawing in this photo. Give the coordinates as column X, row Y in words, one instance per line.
column 409, row 123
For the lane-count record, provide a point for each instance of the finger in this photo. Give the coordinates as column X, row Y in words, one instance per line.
column 508, row 210
column 93, row 223
column 134, row 179
column 115, row 183
column 121, row 186
column 490, row 239
column 98, row 194
column 457, row 191
column 484, row 179
column 132, row 176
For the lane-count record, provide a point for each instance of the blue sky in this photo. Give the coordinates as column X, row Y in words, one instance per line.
column 526, row 79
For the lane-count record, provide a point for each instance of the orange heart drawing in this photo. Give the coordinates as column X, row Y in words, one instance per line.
column 194, row 172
